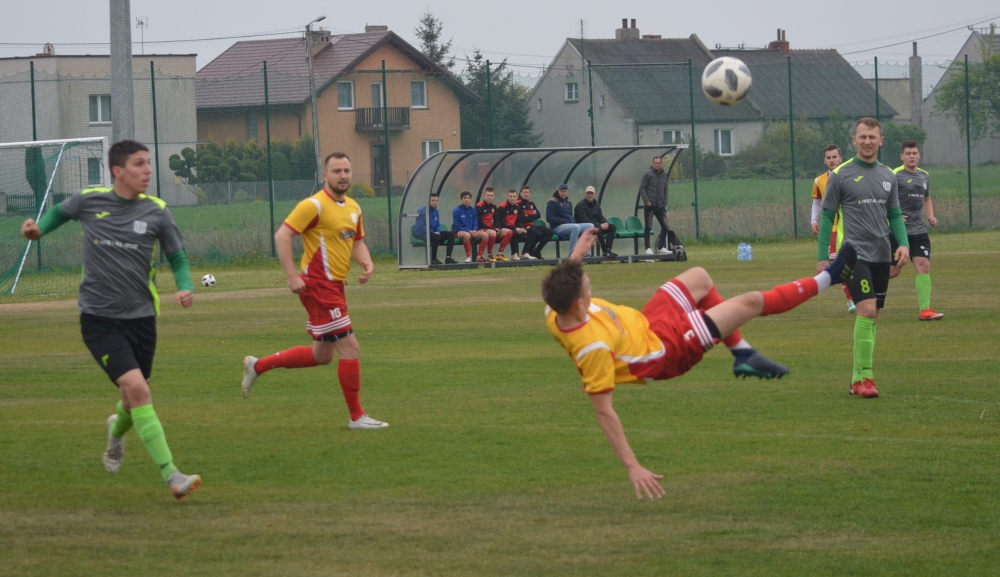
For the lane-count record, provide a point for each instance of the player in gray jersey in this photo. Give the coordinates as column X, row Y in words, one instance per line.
column 864, row 194
column 118, row 299
column 915, row 202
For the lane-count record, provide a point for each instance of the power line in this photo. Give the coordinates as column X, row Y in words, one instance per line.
column 963, row 27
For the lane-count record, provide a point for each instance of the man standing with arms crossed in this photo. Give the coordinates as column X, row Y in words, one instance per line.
column 915, row 202
column 332, row 234
column 832, row 159
column 653, row 191
column 118, row 300
column 863, row 193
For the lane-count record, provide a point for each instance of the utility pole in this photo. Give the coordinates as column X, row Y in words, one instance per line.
column 312, row 95
column 122, row 91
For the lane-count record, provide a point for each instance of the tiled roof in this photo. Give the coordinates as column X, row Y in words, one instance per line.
column 641, row 51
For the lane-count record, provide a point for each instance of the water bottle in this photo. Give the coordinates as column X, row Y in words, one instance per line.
column 749, row 252
column 741, row 251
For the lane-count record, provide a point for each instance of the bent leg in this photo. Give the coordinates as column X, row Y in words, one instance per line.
column 136, row 396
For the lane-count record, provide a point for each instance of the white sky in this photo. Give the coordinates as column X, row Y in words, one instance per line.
column 528, row 32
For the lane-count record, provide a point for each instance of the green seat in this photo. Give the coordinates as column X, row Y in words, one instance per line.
column 634, row 226
column 415, row 240
column 620, row 230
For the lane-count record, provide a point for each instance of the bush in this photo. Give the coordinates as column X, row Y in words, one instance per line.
column 241, row 197
column 361, row 189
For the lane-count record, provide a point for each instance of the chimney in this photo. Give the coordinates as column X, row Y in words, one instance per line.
column 916, row 88
column 375, row 28
column 320, row 39
column 626, row 33
column 47, row 50
column 780, row 43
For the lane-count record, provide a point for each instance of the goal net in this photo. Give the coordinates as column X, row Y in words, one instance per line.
column 34, row 177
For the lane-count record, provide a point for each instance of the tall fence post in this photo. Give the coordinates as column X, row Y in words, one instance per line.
column 156, row 129
column 388, row 154
column 877, row 108
column 694, row 149
column 34, row 136
column 791, row 142
column 489, row 106
column 968, row 137
column 270, row 175
column 590, row 111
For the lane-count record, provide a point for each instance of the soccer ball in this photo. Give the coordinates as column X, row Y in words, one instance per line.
column 726, row 81
column 208, row 280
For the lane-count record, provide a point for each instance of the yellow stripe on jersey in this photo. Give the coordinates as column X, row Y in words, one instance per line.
column 329, row 230
column 604, row 345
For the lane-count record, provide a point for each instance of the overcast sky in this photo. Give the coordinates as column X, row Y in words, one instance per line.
column 527, row 32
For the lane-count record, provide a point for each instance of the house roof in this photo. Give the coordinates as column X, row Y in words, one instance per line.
column 642, row 51
column 234, row 78
column 821, row 82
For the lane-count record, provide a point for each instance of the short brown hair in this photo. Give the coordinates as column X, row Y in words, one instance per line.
column 120, row 152
column 869, row 122
column 909, row 144
column 525, row 187
column 830, row 147
column 488, row 189
column 335, row 155
column 562, row 286
column 465, row 193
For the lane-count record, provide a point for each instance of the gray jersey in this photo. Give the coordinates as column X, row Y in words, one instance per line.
column 913, row 189
column 118, row 240
column 863, row 194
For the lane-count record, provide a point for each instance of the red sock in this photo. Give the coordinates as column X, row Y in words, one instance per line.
column 349, row 373
column 711, row 299
column 468, row 248
column 482, row 246
column 786, row 297
column 847, row 292
column 293, row 358
column 506, row 239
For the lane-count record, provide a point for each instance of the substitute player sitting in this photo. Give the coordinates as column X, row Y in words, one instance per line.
column 612, row 344
column 332, row 234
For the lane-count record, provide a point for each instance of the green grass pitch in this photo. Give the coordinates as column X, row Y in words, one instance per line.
column 494, row 463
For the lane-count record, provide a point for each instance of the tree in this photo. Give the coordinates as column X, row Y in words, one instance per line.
column 984, row 91
column 428, row 31
column 290, row 160
column 895, row 135
column 502, row 101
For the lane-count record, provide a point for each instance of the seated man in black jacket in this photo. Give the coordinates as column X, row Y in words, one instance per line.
column 589, row 210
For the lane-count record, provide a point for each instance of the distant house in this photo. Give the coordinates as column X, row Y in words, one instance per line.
column 73, row 100
column 422, row 99
column 946, row 143
column 652, row 105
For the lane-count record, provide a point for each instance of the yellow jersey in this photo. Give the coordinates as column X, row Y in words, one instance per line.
column 819, row 185
column 606, row 345
column 329, row 230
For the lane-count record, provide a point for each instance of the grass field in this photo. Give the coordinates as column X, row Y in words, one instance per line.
column 494, row 463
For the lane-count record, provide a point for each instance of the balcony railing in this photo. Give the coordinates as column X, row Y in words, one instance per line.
column 397, row 118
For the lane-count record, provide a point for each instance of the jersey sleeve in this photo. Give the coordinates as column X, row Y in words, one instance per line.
column 361, row 227
column 596, row 364
column 831, row 197
column 304, row 216
column 927, row 185
column 817, row 191
column 71, row 207
column 169, row 234
column 893, row 201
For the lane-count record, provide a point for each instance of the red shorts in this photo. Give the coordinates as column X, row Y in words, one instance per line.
column 326, row 305
column 673, row 317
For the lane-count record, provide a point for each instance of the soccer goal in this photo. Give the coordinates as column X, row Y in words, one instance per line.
column 34, row 176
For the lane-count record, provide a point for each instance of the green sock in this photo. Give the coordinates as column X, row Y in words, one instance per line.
column 123, row 423
column 864, row 347
column 924, row 291
column 147, row 424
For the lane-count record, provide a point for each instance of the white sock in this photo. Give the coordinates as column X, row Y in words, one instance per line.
column 823, row 281
column 743, row 344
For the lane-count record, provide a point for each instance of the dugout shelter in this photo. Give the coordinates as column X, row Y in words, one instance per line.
column 614, row 171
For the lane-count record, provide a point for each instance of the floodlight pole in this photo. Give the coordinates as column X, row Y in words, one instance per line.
column 590, row 111
column 791, row 143
column 312, row 95
column 122, row 91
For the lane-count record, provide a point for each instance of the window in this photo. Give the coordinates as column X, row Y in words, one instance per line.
column 345, row 95
column 418, row 94
column 723, row 142
column 601, row 101
column 95, row 172
column 430, row 148
column 252, row 125
column 539, row 105
column 572, row 92
column 100, row 108
column 377, row 95
column 673, row 137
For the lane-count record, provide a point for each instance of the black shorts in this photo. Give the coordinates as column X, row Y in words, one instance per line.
column 869, row 281
column 120, row 345
column 920, row 245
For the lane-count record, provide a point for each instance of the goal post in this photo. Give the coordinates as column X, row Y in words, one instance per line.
column 34, row 177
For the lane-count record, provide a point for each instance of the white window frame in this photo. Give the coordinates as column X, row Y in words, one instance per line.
column 539, row 104
column 601, row 101
column 103, row 116
column 572, row 92
column 424, row 84
column 253, row 126
column 718, row 141
column 339, row 83
column 91, row 164
column 675, row 136
column 425, row 146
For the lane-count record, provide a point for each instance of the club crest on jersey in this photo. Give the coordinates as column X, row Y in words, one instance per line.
column 886, row 185
column 348, row 234
column 354, row 217
column 139, row 227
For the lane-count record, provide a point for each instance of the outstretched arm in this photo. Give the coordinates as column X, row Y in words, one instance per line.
column 51, row 220
column 584, row 243
column 643, row 480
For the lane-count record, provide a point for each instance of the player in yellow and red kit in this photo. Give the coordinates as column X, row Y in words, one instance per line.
column 332, row 234
column 832, row 159
column 612, row 344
